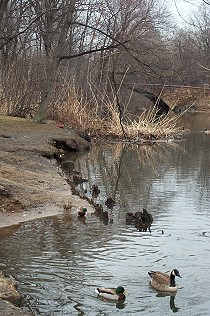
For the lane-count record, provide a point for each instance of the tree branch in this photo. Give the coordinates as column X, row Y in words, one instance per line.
column 92, row 51
column 23, row 31
column 100, row 31
column 204, row 67
column 115, row 40
column 206, row 2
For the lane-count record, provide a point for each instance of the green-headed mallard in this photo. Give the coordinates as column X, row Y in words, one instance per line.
column 82, row 211
column 163, row 282
column 111, row 294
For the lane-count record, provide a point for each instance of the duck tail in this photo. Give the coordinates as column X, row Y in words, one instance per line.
column 97, row 291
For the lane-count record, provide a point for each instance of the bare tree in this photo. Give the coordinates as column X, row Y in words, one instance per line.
column 54, row 41
column 3, row 7
column 58, row 42
column 105, row 37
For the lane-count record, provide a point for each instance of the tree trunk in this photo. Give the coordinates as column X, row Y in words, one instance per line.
column 41, row 115
column 3, row 7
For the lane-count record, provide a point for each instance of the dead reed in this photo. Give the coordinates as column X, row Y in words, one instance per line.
column 99, row 116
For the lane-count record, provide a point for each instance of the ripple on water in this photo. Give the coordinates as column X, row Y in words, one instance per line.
column 59, row 262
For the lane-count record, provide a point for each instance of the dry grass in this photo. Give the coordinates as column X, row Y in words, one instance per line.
column 147, row 126
column 97, row 114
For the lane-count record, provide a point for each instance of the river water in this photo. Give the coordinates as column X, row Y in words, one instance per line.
column 59, row 261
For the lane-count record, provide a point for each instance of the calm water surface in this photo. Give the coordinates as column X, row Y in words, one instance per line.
column 59, row 261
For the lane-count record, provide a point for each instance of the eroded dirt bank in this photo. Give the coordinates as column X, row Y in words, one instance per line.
column 31, row 183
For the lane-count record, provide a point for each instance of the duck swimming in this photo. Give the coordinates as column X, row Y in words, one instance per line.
column 111, row 294
column 110, row 202
column 163, row 282
column 82, row 211
column 95, row 191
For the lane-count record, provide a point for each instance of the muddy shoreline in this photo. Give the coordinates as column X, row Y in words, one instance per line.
column 32, row 185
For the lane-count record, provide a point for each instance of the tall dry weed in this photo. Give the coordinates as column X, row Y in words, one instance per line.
column 98, row 114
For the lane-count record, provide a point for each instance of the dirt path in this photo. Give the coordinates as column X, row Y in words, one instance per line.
column 31, row 184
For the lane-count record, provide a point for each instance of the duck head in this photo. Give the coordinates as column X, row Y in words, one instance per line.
column 82, row 212
column 120, row 292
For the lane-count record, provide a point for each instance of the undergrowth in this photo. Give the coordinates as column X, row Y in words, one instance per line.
column 99, row 115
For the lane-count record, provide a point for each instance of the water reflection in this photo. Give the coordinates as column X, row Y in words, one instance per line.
column 124, row 168
column 171, row 301
column 119, row 304
column 60, row 261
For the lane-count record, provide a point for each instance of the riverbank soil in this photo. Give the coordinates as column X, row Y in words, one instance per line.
column 10, row 298
column 7, row 308
column 31, row 183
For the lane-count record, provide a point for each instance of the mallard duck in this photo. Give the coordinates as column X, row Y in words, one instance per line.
column 146, row 217
column 163, row 282
column 82, row 211
column 111, row 294
column 110, row 202
column 95, row 191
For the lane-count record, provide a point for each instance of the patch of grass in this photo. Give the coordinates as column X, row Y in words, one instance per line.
column 100, row 117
